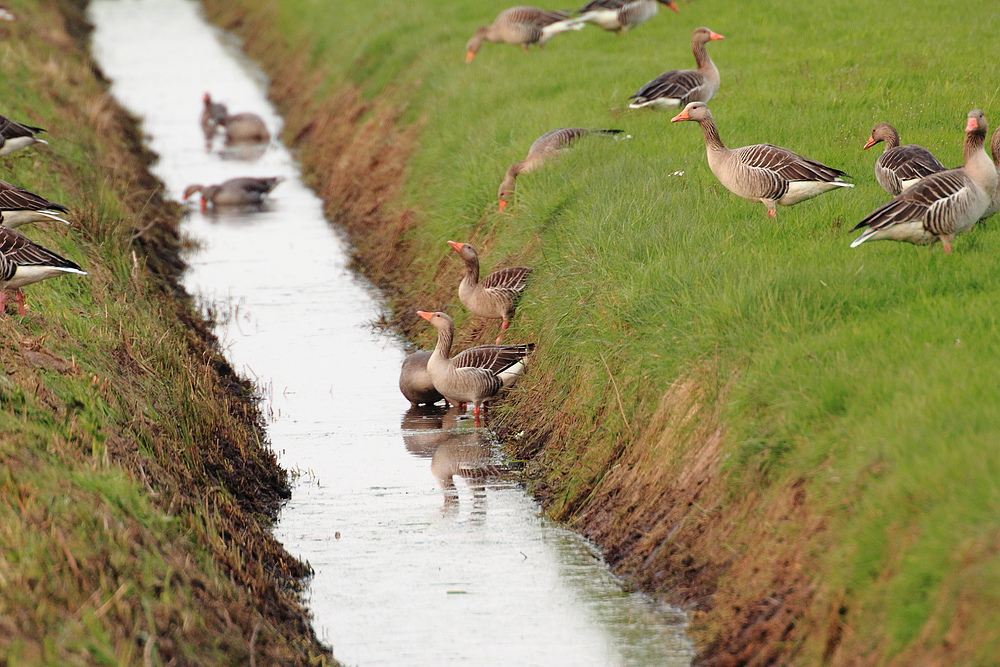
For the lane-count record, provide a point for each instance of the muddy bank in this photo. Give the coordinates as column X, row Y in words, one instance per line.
column 138, row 485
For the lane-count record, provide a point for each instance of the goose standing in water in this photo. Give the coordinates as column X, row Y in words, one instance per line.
column 522, row 26
column 680, row 86
column 15, row 136
column 212, row 115
column 234, row 192
column 762, row 172
column 899, row 167
column 622, row 15
column 941, row 205
column 415, row 382
column 19, row 206
column 476, row 375
column 544, row 147
column 25, row 262
column 496, row 295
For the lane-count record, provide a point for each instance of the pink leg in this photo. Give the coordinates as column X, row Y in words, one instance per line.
column 3, row 302
column 503, row 328
column 20, row 301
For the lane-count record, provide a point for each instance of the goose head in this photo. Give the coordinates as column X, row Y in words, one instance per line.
column 696, row 111
column 882, row 132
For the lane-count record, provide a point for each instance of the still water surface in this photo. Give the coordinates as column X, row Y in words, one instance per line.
column 423, row 553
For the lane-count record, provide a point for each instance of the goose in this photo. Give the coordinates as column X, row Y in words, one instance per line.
column 26, row 262
column 19, row 206
column 15, row 136
column 622, row 15
column 546, row 146
column 415, row 382
column 995, row 199
column 476, row 375
column 680, row 86
column 234, row 192
column 939, row 206
column 762, row 172
column 212, row 115
column 496, row 296
column 245, row 128
column 522, row 25
column 899, row 167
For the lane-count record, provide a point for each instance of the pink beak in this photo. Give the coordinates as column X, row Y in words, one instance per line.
column 455, row 245
column 715, row 35
column 681, row 116
column 972, row 125
column 424, row 314
column 871, row 142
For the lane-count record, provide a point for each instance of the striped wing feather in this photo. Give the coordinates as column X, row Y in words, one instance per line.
column 14, row 198
column 11, row 129
column 534, row 16
column 604, row 4
column 678, row 83
column 788, row 165
column 494, row 358
column 913, row 204
column 911, row 161
column 512, row 279
column 24, row 252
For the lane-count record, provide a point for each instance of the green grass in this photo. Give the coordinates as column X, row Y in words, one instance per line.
column 868, row 372
column 136, row 496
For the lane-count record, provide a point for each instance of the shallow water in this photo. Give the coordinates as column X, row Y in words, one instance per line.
column 424, row 554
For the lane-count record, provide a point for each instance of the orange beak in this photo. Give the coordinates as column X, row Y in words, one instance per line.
column 681, row 116
column 469, row 56
column 871, row 142
column 204, row 205
column 714, row 35
column 972, row 125
column 455, row 245
column 503, row 205
column 424, row 314
column 673, row 6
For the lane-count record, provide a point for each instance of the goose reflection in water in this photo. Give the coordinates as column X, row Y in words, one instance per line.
column 455, row 447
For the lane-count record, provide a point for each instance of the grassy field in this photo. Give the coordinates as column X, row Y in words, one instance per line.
column 756, row 420
column 136, row 494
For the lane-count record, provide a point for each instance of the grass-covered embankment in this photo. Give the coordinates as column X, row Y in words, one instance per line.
column 795, row 439
column 136, row 494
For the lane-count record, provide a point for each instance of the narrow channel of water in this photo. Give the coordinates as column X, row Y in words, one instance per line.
column 423, row 554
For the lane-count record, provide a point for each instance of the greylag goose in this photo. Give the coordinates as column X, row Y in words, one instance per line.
column 15, row 136
column 245, row 128
column 26, row 262
column 622, row 15
column 234, row 192
column 762, row 172
column 212, row 115
column 19, row 207
column 941, row 205
column 415, row 382
column 496, row 296
column 680, row 86
column 522, row 26
column 995, row 150
column 476, row 375
column 899, row 167
column 546, row 146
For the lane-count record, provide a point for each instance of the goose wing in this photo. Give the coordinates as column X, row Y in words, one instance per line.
column 512, row 279
column 677, row 83
column 604, row 4
column 11, row 129
column 936, row 194
column 14, row 198
column 911, row 161
column 494, row 358
column 20, row 250
column 786, row 164
column 533, row 16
